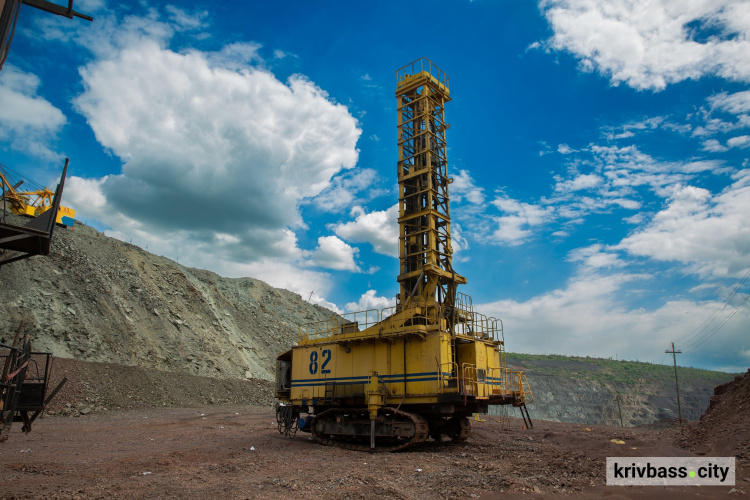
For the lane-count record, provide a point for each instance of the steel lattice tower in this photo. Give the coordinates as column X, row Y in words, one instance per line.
column 426, row 273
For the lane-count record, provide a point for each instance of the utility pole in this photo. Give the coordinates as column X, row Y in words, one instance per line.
column 674, row 359
column 619, row 410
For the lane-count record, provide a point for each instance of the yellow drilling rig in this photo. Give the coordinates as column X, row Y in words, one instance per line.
column 384, row 380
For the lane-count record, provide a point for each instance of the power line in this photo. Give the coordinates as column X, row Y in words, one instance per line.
column 706, row 334
column 700, row 334
column 710, row 319
column 713, row 332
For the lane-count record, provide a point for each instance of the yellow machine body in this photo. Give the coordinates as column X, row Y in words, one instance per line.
column 414, row 364
column 65, row 215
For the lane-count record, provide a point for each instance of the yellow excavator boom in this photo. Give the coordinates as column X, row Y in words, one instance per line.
column 32, row 203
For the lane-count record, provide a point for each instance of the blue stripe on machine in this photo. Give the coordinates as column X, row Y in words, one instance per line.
column 394, row 381
column 388, row 379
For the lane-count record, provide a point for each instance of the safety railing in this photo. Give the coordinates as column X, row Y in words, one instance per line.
column 478, row 326
column 447, row 376
column 469, row 382
column 499, row 379
column 412, row 318
column 347, row 324
column 521, row 389
column 419, row 66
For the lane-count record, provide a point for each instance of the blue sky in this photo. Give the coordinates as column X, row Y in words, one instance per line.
column 599, row 152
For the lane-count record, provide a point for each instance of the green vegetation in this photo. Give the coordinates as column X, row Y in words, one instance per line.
column 610, row 370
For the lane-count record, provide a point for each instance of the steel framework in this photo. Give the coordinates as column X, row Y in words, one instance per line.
column 426, row 272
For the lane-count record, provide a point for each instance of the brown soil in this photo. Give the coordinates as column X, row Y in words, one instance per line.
column 724, row 430
column 126, row 432
column 236, row 452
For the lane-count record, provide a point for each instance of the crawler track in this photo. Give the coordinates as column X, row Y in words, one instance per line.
column 350, row 429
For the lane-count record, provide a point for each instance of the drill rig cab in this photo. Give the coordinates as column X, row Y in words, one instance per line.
column 384, row 380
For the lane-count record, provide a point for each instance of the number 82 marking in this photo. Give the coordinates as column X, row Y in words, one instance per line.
column 326, row 358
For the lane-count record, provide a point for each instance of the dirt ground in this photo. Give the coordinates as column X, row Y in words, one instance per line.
column 236, row 452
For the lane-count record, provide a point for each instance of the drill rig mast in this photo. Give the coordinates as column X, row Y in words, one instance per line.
column 426, row 272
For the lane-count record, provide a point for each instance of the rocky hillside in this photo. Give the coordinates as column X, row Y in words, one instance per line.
column 586, row 390
column 96, row 298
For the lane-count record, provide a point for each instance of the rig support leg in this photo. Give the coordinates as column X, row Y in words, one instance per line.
column 372, row 434
column 525, row 423
column 524, row 409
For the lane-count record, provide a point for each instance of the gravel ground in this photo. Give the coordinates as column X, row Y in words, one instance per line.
column 101, row 387
column 126, row 432
column 236, row 452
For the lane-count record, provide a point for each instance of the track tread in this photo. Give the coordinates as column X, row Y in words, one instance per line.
column 420, row 424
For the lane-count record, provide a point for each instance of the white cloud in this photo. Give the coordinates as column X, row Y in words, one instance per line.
column 581, row 182
column 379, row 228
column 630, row 157
column 622, row 135
column 595, row 257
column 459, row 243
column 714, row 146
column 333, row 253
column 185, row 21
column 217, row 153
column 709, row 234
column 348, row 188
column 714, row 126
column 210, row 148
column 235, row 56
column 86, row 195
column 600, row 178
column 737, row 103
column 370, row 300
column 614, row 177
column 650, row 44
column 463, row 188
column 28, row 122
column 589, row 317
column 742, row 142
column 645, row 125
column 516, row 226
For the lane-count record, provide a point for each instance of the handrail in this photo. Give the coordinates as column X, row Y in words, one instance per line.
column 421, row 65
column 519, row 391
column 413, row 318
column 528, row 389
column 500, row 376
column 443, row 379
column 470, row 383
column 349, row 323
